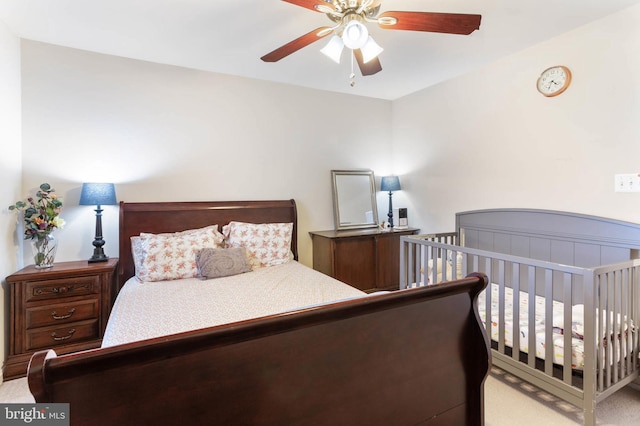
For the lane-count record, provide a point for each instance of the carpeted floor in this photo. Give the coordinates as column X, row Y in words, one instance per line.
column 508, row 401
column 511, row 401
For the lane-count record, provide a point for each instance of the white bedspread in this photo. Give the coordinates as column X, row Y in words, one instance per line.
column 153, row 309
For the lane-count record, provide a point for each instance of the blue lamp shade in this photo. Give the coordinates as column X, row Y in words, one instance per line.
column 98, row 194
column 390, row 183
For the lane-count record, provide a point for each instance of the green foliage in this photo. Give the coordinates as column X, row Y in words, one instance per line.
column 41, row 216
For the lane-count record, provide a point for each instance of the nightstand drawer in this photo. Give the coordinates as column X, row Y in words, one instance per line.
column 52, row 315
column 64, row 287
column 65, row 307
column 44, row 338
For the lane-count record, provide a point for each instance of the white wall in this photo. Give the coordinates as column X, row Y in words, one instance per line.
column 164, row 133
column 486, row 139
column 10, row 167
column 489, row 139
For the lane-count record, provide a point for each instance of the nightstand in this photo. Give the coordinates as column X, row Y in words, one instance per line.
column 64, row 308
column 367, row 259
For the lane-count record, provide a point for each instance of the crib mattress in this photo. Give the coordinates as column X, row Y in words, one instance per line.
column 577, row 326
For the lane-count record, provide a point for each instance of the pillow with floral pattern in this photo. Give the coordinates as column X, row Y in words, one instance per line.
column 267, row 244
column 159, row 257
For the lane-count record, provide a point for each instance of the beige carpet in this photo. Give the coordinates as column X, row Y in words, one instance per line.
column 15, row 391
column 508, row 401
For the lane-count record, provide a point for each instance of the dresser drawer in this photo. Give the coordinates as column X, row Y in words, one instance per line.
column 65, row 307
column 62, row 313
column 64, row 287
column 49, row 337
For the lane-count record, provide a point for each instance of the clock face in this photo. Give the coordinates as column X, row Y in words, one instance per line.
column 554, row 80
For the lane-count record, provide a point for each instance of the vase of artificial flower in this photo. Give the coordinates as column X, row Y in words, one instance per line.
column 41, row 218
column 44, row 251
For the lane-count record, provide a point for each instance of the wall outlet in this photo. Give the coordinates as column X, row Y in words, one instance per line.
column 629, row 182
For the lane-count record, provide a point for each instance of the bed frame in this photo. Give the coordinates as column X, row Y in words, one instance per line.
column 349, row 362
column 567, row 257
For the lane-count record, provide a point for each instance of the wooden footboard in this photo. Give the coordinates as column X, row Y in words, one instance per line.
column 417, row 356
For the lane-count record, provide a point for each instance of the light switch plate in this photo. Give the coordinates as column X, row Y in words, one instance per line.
column 629, row 182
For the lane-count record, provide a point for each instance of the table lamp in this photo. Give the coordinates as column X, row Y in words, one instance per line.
column 390, row 183
column 98, row 194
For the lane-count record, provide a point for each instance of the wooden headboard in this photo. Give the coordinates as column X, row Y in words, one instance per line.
column 159, row 217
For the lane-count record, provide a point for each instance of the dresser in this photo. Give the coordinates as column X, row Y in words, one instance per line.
column 64, row 308
column 368, row 259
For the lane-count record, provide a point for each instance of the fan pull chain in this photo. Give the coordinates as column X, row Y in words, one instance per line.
column 352, row 76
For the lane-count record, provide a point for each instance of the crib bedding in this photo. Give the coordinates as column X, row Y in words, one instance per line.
column 577, row 350
column 558, row 328
column 145, row 310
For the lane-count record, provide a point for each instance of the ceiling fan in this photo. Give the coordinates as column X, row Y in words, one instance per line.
column 349, row 29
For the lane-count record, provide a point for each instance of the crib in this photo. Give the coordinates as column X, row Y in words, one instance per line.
column 563, row 305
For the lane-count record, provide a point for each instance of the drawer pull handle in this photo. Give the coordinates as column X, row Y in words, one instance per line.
column 68, row 336
column 55, row 315
column 41, row 291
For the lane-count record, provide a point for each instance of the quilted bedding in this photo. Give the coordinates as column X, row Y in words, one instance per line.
column 145, row 310
column 559, row 329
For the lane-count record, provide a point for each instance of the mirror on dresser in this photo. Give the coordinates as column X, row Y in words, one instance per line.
column 354, row 199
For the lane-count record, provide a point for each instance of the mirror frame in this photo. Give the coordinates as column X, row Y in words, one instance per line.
column 372, row 197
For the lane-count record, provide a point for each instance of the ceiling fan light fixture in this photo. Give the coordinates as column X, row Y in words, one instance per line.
column 370, row 50
column 333, row 49
column 355, row 35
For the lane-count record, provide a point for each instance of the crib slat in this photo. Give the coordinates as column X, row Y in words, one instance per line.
column 601, row 359
column 605, row 331
column 567, row 325
column 616, row 334
column 501, row 305
column 516, row 326
column 626, row 337
column 634, row 312
column 548, row 319
column 531, row 289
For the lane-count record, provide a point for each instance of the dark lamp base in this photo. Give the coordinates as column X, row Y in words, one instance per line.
column 98, row 259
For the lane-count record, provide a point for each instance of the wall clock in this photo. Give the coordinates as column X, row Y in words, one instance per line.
column 554, row 80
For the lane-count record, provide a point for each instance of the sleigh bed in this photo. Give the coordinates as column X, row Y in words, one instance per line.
column 569, row 279
column 342, row 357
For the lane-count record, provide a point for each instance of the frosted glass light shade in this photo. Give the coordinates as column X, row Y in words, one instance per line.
column 370, row 50
column 355, row 35
column 334, row 48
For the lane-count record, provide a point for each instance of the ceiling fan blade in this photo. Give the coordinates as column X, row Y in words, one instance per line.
column 297, row 44
column 451, row 23
column 369, row 68
column 311, row 4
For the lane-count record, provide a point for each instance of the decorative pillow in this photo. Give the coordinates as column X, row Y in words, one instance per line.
column 267, row 244
column 220, row 262
column 172, row 256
